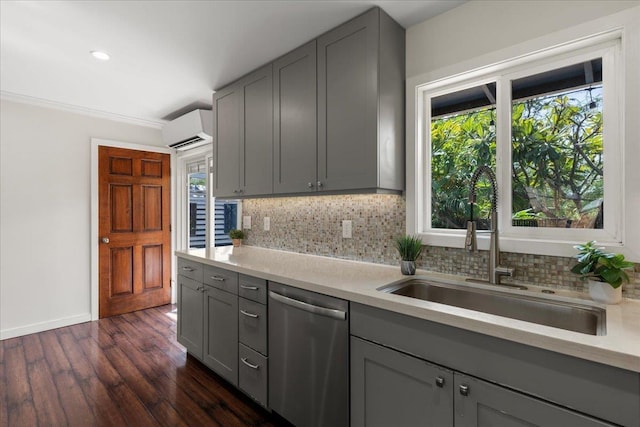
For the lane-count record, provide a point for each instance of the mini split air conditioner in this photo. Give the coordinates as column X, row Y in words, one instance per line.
column 188, row 131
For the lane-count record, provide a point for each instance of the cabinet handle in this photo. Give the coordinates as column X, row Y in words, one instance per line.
column 188, row 269
column 440, row 382
column 249, row 288
column 249, row 364
column 464, row 389
column 310, row 185
column 320, row 184
column 246, row 313
column 200, row 288
column 218, row 278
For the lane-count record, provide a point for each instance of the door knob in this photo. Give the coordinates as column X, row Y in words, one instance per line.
column 105, row 240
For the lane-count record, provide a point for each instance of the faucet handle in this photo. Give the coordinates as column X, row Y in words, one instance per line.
column 504, row 271
column 470, row 242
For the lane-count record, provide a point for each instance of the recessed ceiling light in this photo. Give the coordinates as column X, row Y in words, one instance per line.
column 103, row 56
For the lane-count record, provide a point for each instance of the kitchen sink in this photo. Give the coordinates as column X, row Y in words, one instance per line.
column 574, row 317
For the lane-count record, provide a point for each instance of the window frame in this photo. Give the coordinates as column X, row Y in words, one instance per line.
column 550, row 241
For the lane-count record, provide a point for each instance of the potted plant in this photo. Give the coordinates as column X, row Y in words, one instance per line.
column 236, row 236
column 409, row 248
column 604, row 272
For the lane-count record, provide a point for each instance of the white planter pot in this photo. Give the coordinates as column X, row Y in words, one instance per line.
column 604, row 293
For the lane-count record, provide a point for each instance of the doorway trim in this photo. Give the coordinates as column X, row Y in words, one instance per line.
column 95, row 143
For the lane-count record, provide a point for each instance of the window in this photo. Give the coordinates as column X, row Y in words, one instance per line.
column 197, row 215
column 545, row 125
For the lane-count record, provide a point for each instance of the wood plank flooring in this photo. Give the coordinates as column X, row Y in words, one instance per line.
column 126, row 370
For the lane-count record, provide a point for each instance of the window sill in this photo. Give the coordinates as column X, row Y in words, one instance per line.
column 560, row 248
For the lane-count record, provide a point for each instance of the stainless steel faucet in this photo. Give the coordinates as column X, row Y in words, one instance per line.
column 495, row 270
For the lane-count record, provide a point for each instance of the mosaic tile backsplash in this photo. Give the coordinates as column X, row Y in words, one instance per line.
column 313, row 225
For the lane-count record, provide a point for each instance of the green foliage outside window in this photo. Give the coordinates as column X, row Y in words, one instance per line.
column 557, row 161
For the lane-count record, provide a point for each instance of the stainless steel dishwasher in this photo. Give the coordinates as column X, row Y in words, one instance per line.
column 308, row 357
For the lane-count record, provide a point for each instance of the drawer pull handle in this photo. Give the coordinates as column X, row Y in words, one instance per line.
column 188, row 269
column 200, row 288
column 440, row 382
column 249, row 288
column 218, row 278
column 464, row 389
column 246, row 313
column 249, row 364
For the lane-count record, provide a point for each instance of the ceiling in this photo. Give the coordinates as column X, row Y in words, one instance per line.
column 166, row 56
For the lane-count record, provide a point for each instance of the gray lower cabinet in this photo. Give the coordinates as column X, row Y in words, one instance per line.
column 390, row 388
column 221, row 333
column 482, row 404
column 253, row 365
column 190, row 315
column 243, row 136
column 361, row 104
column 495, row 382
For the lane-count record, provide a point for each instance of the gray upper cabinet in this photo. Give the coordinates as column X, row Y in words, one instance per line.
column 257, row 168
column 326, row 117
column 227, row 139
column 243, row 136
column 361, row 105
column 294, row 118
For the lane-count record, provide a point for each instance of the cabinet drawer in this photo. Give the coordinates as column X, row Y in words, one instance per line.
column 222, row 279
column 253, row 374
column 190, row 269
column 252, row 325
column 253, row 288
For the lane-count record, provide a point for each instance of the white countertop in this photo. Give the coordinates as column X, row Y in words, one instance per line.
column 358, row 282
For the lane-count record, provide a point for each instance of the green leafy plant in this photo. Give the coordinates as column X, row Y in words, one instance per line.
column 236, row 234
column 596, row 264
column 528, row 214
column 409, row 247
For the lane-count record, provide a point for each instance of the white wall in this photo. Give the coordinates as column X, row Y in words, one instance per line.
column 481, row 27
column 480, row 34
column 45, row 201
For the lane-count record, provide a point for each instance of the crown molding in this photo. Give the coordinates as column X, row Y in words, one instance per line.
column 39, row 102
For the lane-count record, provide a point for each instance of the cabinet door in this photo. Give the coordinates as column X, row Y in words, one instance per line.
column 256, row 162
column 478, row 403
column 190, row 316
column 348, row 104
column 221, row 333
column 389, row 388
column 294, row 118
column 227, row 138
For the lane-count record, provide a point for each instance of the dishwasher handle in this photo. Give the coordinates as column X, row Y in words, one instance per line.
column 323, row 311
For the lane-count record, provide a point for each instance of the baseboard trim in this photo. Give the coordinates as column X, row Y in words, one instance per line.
column 44, row 326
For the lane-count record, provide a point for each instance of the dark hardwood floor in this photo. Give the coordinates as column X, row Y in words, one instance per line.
column 125, row 370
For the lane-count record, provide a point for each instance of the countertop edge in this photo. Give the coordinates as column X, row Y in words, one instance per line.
column 424, row 310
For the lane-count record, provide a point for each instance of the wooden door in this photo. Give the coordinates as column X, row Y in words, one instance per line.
column 134, row 230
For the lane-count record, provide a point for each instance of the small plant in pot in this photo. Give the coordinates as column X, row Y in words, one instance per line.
column 236, row 236
column 409, row 248
column 604, row 272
